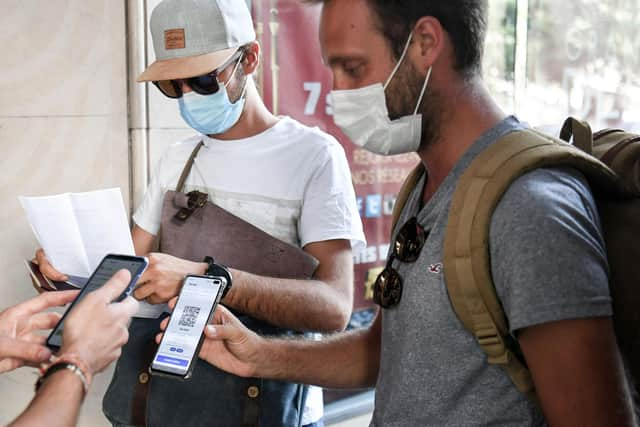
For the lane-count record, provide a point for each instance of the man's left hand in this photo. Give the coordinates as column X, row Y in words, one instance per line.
column 20, row 340
column 163, row 278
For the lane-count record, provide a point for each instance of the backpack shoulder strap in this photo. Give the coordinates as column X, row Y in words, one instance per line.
column 466, row 259
column 408, row 185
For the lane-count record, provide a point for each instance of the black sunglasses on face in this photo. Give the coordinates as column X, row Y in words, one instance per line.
column 387, row 289
column 206, row 84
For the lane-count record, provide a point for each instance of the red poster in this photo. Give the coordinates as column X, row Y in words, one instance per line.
column 296, row 83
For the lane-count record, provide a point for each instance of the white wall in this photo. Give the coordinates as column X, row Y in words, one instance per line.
column 63, row 127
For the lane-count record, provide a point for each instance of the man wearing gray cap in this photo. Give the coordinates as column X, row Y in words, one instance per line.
column 282, row 177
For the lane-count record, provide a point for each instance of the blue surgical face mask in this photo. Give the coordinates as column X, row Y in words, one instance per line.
column 211, row 114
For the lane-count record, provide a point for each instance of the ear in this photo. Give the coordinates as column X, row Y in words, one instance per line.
column 251, row 58
column 429, row 42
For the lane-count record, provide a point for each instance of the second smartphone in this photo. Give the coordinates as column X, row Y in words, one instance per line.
column 183, row 336
column 109, row 265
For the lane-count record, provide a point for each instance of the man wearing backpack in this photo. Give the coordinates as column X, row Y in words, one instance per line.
column 407, row 78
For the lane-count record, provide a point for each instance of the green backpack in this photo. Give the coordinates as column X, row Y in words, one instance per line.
column 610, row 159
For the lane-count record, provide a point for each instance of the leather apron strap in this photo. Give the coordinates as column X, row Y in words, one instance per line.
column 187, row 167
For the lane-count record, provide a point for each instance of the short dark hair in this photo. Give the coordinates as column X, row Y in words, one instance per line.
column 464, row 20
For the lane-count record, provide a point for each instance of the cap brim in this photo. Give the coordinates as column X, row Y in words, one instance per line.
column 182, row 68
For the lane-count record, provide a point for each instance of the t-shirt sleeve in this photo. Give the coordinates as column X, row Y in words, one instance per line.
column 548, row 256
column 149, row 214
column 329, row 208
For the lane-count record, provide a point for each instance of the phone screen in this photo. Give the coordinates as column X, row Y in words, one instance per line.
column 181, row 341
column 109, row 265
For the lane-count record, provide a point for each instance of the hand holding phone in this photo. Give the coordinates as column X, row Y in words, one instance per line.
column 96, row 329
column 183, row 336
column 109, row 265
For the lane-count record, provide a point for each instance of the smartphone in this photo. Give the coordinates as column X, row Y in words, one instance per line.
column 183, row 336
column 109, row 265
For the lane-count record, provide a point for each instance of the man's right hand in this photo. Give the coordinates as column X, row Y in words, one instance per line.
column 228, row 344
column 46, row 268
column 97, row 329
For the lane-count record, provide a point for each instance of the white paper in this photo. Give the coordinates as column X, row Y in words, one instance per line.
column 76, row 230
column 102, row 214
column 53, row 222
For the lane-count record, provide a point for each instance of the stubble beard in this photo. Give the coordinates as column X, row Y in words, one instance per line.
column 402, row 95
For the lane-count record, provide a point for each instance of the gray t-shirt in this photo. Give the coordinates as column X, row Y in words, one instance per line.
column 548, row 263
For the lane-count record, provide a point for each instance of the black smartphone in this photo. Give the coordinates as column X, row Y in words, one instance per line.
column 183, row 336
column 109, row 265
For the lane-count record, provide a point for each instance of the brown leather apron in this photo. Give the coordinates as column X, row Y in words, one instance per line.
column 193, row 228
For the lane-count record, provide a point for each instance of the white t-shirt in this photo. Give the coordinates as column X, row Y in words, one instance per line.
column 291, row 181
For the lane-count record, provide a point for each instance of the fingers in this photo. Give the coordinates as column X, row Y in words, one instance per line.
column 36, row 339
column 126, row 308
column 148, row 274
column 223, row 316
column 144, row 278
column 143, row 291
column 114, row 286
column 46, row 300
column 42, row 321
column 219, row 332
column 172, row 303
column 151, row 293
column 46, row 268
column 40, row 257
column 225, row 326
column 164, row 323
column 23, row 350
column 10, row 364
column 159, row 338
column 156, row 299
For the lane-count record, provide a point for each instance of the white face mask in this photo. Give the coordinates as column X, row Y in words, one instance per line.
column 363, row 116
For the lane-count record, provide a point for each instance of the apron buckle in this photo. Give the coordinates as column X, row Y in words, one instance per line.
column 196, row 200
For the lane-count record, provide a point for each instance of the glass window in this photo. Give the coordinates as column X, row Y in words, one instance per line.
column 582, row 60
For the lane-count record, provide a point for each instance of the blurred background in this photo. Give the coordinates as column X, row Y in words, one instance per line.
column 73, row 119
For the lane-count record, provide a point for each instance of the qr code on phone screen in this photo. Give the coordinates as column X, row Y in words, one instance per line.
column 189, row 316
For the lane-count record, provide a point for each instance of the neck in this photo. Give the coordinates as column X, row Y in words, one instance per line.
column 255, row 118
column 469, row 112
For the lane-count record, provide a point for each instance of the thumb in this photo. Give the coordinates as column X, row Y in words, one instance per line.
column 223, row 316
column 23, row 350
column 114, row 286
column 223, row 333
column 225, row 326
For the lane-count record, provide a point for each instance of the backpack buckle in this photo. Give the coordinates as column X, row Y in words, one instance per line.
column 492, row 343
column 196, row 200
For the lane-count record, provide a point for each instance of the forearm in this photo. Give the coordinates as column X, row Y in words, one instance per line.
column 143, row 241
column 345, row 360
column 304, row 305
column 568, row 373
column 57, row 403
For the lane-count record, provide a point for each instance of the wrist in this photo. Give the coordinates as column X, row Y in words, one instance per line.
column 231, row 295
column 213, row 269
column 77, row 357
column 63, row 382
column 273, row 361
column 201, row 268
column 66, row 364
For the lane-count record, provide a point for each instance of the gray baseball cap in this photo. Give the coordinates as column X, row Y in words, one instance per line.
column 194, row 37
